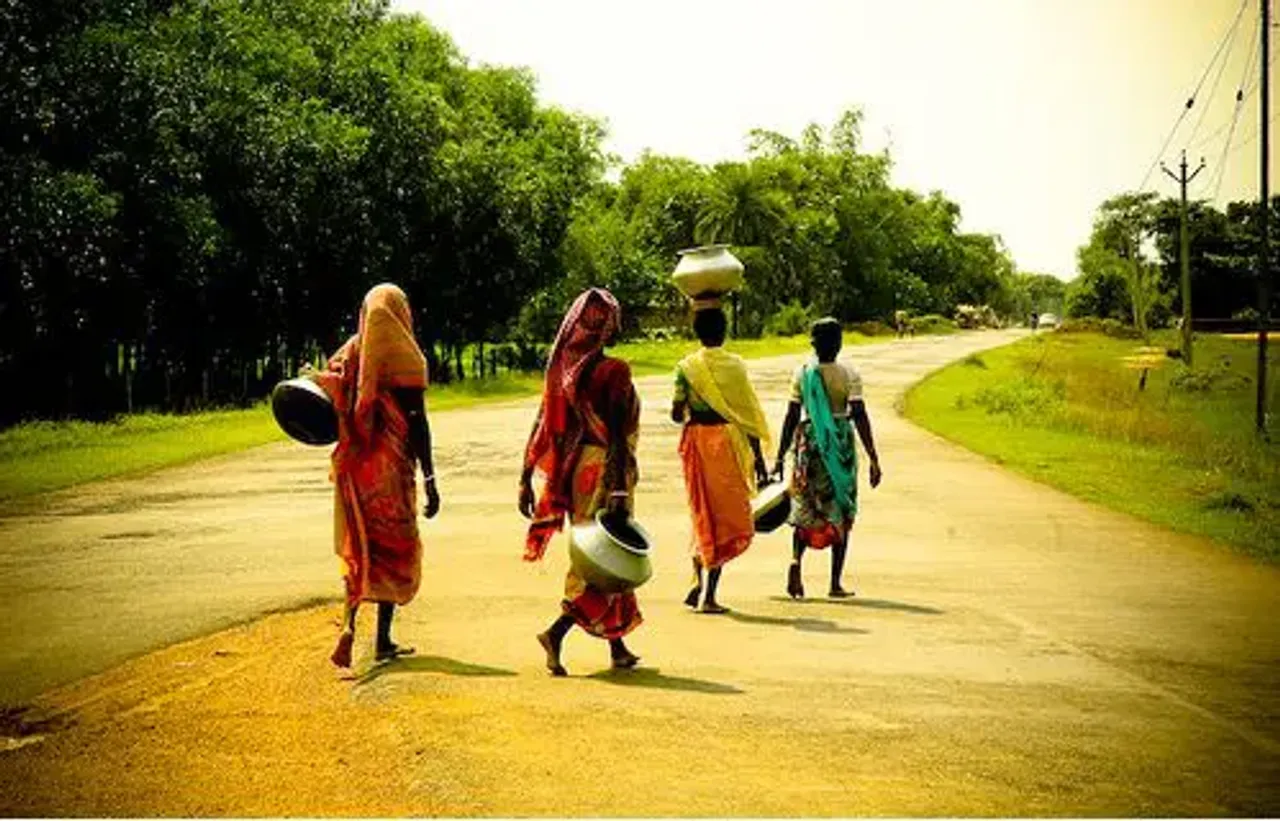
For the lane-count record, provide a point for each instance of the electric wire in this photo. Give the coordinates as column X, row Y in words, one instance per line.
column 1191, row 101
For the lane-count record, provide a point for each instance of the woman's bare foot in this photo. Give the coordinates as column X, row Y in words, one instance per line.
column 390, row 651
column 695, row 593
column 623, row 658
column 553, row 654
column 838, row 592
column 713, row 607
column 795, row 584
column 342, row 653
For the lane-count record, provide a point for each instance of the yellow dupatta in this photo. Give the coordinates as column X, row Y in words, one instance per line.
column 720, row 379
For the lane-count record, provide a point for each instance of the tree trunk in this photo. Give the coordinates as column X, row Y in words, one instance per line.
column 128, row 379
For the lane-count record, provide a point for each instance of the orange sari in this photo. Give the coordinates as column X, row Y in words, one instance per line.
column 375, row 498
column 718, row 461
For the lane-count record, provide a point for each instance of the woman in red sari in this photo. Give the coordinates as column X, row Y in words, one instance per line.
column 582, row 449
column 376, row 381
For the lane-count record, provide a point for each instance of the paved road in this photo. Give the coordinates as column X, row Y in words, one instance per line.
column 1012, row 651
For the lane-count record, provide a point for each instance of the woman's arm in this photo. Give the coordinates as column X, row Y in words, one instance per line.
column 413, row 404
column 680, row 398
column 788, row 433
column 862, row 421
column 526, row 499
column 762, row 473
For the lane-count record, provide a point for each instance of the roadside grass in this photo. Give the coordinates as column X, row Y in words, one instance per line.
column 660, row 357
column 38, row 457
column 41, row 456
column 1063, row 409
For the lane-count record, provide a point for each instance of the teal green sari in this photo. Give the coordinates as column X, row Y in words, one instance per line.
column 833, row 440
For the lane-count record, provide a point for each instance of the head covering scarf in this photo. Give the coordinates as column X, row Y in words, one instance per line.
column 382, row 355
column 590, row 322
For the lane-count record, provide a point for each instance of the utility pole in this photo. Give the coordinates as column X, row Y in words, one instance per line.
column 1264, row 249
column 1184, row 252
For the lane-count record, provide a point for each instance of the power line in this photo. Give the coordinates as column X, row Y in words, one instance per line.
column 1220, row 172
column 1222, row 68
column 1243, row 91
column 1191, row 101
column 1253, row 137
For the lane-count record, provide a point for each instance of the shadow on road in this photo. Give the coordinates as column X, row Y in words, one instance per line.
column 871, row 604
column 799, row 623
column 649, row 677
column 429, row 664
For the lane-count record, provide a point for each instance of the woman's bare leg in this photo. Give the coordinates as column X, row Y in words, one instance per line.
column 551, row 641
column 622, row 657
column 341, row 656
column 385, row 647
column 838, row 552
column 695, row 592
column 709, row 604
column 795, row 582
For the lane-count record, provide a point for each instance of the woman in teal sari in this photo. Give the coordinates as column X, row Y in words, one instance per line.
column 824, row 482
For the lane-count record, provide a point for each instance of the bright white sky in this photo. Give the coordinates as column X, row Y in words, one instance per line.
column 1028, row 113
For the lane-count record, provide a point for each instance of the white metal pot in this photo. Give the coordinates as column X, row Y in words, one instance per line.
column 611, row 558
column 708, row 271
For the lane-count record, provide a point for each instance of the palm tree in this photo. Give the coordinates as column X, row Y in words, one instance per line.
column 741, row 209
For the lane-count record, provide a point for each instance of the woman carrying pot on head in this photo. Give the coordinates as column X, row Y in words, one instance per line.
column 720, row 450
column 376, row 381
column 824, row 482
column 582, row 448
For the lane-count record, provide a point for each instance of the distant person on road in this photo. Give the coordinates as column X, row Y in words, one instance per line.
column 902, row 322
column 720, row 451
column 824, row 479
column 583, row 451
column 376, row 381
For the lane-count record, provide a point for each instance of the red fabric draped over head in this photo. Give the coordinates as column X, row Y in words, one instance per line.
column 592, row 320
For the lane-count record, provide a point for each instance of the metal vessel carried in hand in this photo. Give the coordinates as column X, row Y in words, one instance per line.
column 771, row 507
column 304, row 411
column 611, row 555
column 707, row 272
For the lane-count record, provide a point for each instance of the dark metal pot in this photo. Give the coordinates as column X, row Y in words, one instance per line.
column 305, row 412
column 771, row 507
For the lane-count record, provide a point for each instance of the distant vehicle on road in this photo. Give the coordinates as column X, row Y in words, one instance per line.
column 1047, row 321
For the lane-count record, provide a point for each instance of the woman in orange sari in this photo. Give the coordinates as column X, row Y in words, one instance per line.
column 376, row 381
column 720, row 452
column 582, row 450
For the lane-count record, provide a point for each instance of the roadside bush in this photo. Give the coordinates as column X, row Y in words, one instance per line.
column 1113, row 328
column 933, row 324
column 873, row 327
column 1023, row 398
column 791, row 319
column 1217, row 377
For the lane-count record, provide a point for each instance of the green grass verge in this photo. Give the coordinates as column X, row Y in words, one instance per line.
column 1063, row 409
column 44, row 456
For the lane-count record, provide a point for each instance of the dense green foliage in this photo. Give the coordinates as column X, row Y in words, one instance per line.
column 197, row 194
column 1136, row 235
column 1064, row 409
column 816, row 222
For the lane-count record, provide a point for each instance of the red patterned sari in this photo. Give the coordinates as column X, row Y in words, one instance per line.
column 569, row 446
